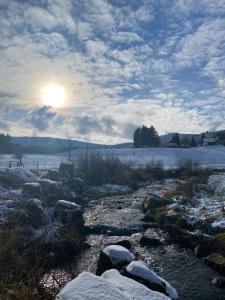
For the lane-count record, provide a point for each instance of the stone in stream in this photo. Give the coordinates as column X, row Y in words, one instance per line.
column 148, row 239
column 111, row 286
column 113, row 257
column 140, row 272
column 124, row 243
column 217, row 262
column 219, row 282
column 68, row 212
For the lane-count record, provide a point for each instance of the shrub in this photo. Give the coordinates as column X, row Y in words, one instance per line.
column 96, row 169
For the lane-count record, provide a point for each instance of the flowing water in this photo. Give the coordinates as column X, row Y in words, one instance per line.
column 117, row 218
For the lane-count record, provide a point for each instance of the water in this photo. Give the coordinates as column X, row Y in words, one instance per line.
column 188, row 274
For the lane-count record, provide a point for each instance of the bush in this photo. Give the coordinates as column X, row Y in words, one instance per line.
column 97, row 169
column 194, row 177
column 187, row 167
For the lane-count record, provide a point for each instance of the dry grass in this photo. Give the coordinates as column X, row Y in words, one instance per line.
column 193, row 179
column 97, row 169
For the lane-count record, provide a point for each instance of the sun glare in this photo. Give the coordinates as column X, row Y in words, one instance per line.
column 53, row 95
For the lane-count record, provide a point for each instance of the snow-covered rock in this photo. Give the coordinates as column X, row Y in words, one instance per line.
column 51, row 190
column 111, row 286
column 16, row 177
column 131, row 287
column 68, row 212
column 32, row 189
column 140, row 272
column 113, row 256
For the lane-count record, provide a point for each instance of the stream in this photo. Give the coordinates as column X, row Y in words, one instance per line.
column 115, row 218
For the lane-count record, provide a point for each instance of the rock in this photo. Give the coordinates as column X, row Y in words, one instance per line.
column 111, row 286
column 140, row 272
column 124, row 243
column 204, row 248
column 185, row 238
column 217, row 262
column 51, row 190
column 151, row 242
column 68, row 212
column 219, row 282
column 66, row 168
column 131, row 287
column 32, row 189
column 153, row 201
column 21, row 213
column 16, row 177
column 77, row 184
column 113, row 257
column 52, row 175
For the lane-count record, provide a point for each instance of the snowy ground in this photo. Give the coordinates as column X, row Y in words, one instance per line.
column 206, row 156
column 213, row 156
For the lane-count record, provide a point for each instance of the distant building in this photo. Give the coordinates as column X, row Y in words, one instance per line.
column 209, row 141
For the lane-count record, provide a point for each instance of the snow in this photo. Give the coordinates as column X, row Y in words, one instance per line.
column 131, row 287
column 111, row 189
column 23, row 174
column 68, row 205
column 88, row 286
column 213, row 156
column 118, row 253
column 219, row 224
column 216, row 183
column 141, row 270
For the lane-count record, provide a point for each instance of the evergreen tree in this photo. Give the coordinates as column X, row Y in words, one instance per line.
column 176, row 139
column 145, row 136
column 193, row 142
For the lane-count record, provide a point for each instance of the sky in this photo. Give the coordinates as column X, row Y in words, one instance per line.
column 120, row 63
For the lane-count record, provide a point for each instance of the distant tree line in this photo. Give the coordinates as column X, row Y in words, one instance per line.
column 146, row 137
column 6, row 145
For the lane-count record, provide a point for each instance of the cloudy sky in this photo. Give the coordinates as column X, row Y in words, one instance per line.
column 120, row 63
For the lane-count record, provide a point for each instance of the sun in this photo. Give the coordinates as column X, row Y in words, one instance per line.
column 53, row 95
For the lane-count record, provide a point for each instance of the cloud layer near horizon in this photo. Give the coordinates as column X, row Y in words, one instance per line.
column 122, row 63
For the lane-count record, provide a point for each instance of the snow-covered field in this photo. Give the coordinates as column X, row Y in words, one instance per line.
column 213, row 156
column 206, row 156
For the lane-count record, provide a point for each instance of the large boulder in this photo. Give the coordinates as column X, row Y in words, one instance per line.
column 32, row 189
column 21, row 213
column 16, row 177
column 140, row 272
column 51, row 190
column 111, row 286
column 113, row 257
column 66, row 168
column 68, row 212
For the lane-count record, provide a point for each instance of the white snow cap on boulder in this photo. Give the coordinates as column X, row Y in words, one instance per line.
column 132, row 288
column 88, row 286
column 117, row 253
column 141, row 270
